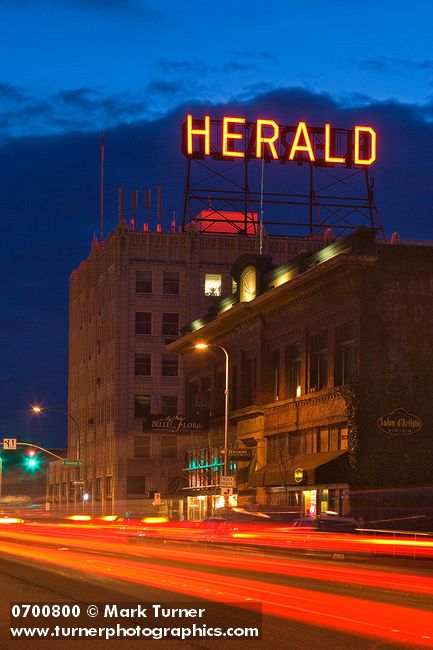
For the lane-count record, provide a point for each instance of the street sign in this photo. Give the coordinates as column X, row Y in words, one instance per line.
column 9, row 443
column 227, row 492
column 238, row 454
column 72, row 463
column 227, row 481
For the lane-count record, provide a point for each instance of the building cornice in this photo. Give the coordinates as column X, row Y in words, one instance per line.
column 295, row 289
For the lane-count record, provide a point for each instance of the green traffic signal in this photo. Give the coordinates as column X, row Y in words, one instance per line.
column 32, row 460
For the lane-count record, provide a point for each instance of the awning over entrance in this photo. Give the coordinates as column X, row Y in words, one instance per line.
column 323, row 467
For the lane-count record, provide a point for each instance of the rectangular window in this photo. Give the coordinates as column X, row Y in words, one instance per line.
column 277, row 449
column 170, row 282
column 276, row 375
column 170, row 363
column 143, row 322
column 141, row 446
column 174, row 484
column 142, row 365
column 108, row 485
column 136, row 485
column 344, row 438
column 168, row 447
column 333, row 438
column 344, row 354
column 170, row 324
column 142, row 406
column 293, row 370
column 311, row 436
column 212, row 284
column 324, row 439
column 318, row 362
column 98, row 486
column 143, row 281
column 169, row 405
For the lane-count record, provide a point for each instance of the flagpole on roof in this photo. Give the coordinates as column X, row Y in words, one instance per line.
column 102, row 189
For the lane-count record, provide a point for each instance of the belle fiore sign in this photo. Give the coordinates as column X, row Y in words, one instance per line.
column 173, row 423
column 399, row 422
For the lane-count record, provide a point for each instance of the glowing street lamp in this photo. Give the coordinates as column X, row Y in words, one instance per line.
column 205, row 346
column 40, row 409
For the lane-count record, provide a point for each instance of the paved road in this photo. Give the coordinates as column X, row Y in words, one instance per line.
column 308, row 604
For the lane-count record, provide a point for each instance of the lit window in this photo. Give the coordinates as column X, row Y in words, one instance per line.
column 248, row 284
column 141, row 406
column 344, row 438
column 212, row 284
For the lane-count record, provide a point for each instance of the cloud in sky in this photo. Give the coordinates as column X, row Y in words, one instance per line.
column 50, row 209
column 387, row 64
column 124, row 7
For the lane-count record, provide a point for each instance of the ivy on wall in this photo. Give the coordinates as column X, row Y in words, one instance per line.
column 395, row 371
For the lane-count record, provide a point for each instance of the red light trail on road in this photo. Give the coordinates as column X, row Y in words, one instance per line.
column 354, row 615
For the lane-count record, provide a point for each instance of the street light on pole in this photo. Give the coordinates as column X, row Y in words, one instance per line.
column 41, row 409
column 205, row 346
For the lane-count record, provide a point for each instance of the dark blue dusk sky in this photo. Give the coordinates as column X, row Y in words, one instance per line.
column 71, row 68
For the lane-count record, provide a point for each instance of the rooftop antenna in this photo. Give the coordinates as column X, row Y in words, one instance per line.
column 159, row 204
column 135, row 203
column 261, row 205
column 101, row 233
column 148, row 204
column 120, row 204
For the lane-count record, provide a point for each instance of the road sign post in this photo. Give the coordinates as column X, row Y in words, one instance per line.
column 227, row 482
column 9, row 443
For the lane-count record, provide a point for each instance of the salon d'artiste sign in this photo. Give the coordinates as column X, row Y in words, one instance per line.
column 399, row 422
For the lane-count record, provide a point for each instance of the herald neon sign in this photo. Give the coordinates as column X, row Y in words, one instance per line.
column 235, row 138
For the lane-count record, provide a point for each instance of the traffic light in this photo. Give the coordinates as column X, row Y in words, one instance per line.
column 32, row 461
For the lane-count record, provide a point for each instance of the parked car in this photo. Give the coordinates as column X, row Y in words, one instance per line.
column 326, row 524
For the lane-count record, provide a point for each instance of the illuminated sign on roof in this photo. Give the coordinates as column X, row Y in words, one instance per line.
column 234, row 138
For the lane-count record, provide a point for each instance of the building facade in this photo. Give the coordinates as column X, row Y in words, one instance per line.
column 128, row 300
column 325, row 352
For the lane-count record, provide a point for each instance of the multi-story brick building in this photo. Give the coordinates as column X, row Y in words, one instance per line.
column 325, row 353
column 128, row 300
